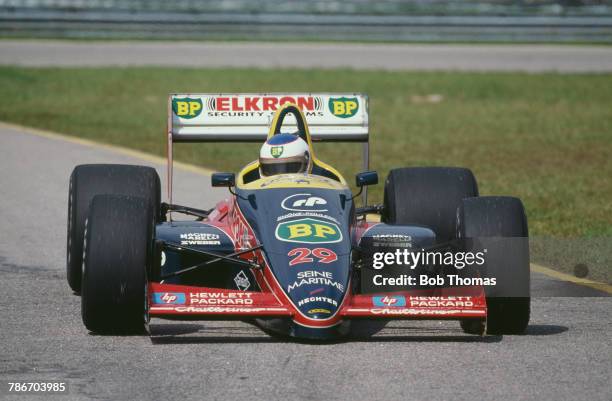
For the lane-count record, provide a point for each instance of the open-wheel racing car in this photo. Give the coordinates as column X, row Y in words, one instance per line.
column 289, row 250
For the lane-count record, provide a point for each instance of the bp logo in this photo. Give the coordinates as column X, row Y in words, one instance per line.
column 186, row 107
column 343, row 107
column 276, row 151
column 308, row 231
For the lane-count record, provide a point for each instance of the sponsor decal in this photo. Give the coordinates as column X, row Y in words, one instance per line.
column 277, row 151
column 220, row 298
column 246, row 238
column 186, row 107
column 296, row 179
column 304, row 203
column 239, row 230
column 319, row 310
column 242, row 281
column 311, row 277
column 400, row 237
column 302, row 255
column 392, row 240
column 326, row 300
column 305, row 214
column 417, row 312
column 200, row 239
column 396, row 301
column 434, row 302
column 221, row 309
column 343, row 107
column 222, row 301
column 262, row 103
column 308, row 231
column 173, row 298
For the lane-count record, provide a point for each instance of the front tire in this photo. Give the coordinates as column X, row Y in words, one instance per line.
column 498, row 225
column 118, row 249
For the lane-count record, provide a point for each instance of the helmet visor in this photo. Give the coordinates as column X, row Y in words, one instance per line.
column 274, row 166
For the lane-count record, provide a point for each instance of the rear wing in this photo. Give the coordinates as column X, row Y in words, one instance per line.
column 233, row 117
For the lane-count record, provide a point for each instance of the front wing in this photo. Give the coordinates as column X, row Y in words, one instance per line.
column 172, row 301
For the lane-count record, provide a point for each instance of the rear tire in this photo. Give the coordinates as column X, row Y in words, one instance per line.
column 499, row 225
column 118, row 249
column 428, row 196
column 89, row 180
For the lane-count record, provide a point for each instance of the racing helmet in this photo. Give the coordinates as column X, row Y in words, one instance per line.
column 284, row 154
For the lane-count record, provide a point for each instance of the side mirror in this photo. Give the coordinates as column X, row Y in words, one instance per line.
column 366, row 178
column 223, row 179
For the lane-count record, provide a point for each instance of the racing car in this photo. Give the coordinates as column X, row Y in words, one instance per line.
column 290, row 251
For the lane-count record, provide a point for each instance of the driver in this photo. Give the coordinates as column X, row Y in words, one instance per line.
column 283, row 154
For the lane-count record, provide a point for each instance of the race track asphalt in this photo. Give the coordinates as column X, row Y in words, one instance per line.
column 565, row 354
column 530, row 58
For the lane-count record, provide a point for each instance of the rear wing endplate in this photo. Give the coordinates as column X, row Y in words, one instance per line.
column 233, row 117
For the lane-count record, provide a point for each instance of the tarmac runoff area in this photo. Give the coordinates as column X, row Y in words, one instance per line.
column 377, row 56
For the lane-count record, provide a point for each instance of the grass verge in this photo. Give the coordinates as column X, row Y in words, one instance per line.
column 546, row 138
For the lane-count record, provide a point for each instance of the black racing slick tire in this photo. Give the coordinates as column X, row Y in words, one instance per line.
column 118, row 251
column 428, row 196
column 497, row 225
column 89, row 180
